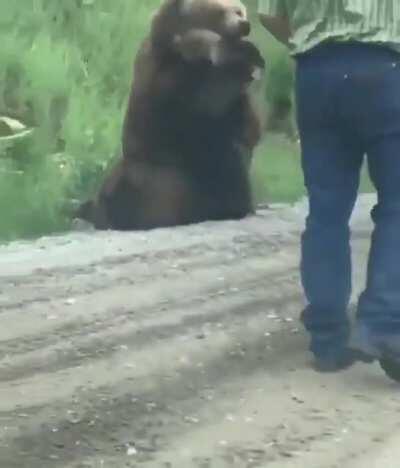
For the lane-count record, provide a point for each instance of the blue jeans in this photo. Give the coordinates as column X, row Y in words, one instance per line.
column 348, row 104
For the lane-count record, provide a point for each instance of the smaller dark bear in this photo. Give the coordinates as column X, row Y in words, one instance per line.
column 189, row 130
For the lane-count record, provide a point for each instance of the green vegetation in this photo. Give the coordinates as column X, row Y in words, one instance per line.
column 65, row 73
column 66, row 68
column 276, row 170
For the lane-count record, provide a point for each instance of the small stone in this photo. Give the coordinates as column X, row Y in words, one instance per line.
column 286, row 454
column 191, row 419
column 131, row 451
column 297, row 399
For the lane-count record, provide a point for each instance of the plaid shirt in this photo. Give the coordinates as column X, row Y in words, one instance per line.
column 314, row 21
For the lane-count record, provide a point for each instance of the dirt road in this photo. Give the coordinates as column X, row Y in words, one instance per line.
column 178, row 349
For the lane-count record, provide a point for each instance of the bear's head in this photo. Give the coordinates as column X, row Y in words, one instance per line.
column 227, row 18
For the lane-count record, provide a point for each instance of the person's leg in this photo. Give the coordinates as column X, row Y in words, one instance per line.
column 379, row 305
column 325, row 246
column 331, row 161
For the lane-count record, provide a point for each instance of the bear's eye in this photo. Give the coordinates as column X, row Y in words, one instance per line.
column 220, row 12
column 239, row 12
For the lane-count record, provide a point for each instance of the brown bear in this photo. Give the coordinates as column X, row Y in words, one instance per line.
column 190, row 126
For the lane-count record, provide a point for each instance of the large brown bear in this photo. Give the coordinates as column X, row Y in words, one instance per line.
column 190, row 127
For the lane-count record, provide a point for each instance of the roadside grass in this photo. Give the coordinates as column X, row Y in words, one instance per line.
column 276, row 171
column 277, row 175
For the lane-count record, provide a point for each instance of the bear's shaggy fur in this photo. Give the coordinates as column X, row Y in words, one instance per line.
column 190, row 127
